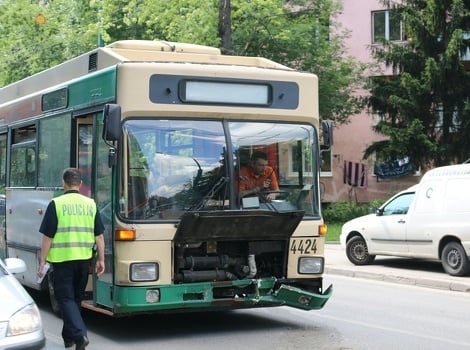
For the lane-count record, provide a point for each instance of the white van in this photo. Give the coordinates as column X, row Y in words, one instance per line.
column 429, row 220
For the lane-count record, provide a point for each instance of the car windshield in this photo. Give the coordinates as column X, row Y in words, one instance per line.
column 174, row 166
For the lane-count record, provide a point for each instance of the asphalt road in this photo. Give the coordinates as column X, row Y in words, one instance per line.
column 362, row 314
column 355, row 318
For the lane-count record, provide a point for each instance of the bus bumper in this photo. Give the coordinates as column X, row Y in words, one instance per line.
column 239, row 294
column 301, row 299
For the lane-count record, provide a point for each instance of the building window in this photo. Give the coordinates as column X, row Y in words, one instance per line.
column 325, row 156
column 386, row 25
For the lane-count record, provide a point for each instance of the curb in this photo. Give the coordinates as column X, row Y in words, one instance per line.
column 412, row 272
column 421, row 282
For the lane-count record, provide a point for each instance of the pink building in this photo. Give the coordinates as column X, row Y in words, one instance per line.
column 352, row 177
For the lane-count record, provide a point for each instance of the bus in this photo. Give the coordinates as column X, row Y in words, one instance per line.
column 160, row 131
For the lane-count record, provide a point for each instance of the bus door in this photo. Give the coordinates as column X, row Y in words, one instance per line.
column 83, row 161
column 84, row 138
column 91, row 155
column 3, row 173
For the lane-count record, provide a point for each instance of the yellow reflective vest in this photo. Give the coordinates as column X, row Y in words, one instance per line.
column 75, row 236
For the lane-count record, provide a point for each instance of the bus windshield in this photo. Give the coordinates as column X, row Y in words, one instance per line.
column 174, row 166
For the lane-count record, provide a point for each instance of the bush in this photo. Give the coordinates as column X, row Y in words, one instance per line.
column 342, row 211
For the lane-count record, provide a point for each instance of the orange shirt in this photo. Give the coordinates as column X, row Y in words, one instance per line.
column 249, row 181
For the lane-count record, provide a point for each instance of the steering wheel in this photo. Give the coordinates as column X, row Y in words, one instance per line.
column 280, row 194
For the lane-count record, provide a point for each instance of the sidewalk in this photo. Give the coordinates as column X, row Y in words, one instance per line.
column 424, row 273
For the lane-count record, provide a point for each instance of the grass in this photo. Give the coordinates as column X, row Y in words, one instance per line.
column 334, row 229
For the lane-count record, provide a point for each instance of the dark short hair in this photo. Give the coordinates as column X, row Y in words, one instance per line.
column 258, row 155
column 72, row 176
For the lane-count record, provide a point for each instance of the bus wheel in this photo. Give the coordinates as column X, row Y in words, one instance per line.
column 357, row 252
column 50, row 284
column 454, row 259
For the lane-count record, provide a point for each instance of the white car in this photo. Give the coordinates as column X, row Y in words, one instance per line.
column 20, row 320
column 430, row 220
column 383, row 231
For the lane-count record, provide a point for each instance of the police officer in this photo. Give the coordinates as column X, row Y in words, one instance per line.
column 70, row 227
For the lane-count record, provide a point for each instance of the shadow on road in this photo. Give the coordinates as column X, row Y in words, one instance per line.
column 167, row 326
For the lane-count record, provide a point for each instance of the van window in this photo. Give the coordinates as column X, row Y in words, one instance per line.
column 399, row 205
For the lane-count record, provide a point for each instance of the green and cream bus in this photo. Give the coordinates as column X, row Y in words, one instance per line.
column 160, row 131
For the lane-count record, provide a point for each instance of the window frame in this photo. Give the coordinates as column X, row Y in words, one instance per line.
column 28, row 144
column 387, row 27
column 53, row 150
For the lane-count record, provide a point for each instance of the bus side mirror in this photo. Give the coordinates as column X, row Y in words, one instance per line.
column 327, row 132
column 111, row 122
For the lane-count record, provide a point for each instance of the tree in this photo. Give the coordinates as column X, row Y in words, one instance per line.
column 28, row 46
column 424, row 107
column 225, row 25
column 300, row 34
column 303, row 35
column 191, row 21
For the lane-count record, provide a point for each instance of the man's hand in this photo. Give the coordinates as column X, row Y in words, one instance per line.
column 266, row 183
column 99, row 267
column 271, row 196
column 43, row 267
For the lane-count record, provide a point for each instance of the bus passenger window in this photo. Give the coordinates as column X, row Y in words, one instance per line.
column 54, row 143
column 22, row 167
column 23, row 157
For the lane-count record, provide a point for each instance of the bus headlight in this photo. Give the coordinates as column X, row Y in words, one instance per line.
column 142, row 272
column 311, row 265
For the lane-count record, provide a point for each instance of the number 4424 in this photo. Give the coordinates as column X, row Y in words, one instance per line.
column 303, row 246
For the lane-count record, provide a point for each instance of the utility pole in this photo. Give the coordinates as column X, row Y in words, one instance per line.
column 225, row 26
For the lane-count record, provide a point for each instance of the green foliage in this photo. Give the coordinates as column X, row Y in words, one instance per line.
column 300, row 34
column 27, row 47
column 424, row 107
column 410, row 141
column 303, row 36
column 342, row 211
column 191, row 21
column 334, row 230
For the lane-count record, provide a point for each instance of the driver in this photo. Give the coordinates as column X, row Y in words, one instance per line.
column 258, row 177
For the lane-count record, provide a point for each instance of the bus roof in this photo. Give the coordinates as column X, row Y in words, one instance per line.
column 127, row 51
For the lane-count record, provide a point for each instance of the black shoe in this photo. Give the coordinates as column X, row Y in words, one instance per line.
column 81, row 345
column 68, row 343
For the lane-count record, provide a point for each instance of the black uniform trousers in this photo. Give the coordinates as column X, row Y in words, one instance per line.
column 70, row 280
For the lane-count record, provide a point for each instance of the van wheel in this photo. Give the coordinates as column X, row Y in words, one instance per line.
column 454, row 259
column 357, row 252
column 50, row 284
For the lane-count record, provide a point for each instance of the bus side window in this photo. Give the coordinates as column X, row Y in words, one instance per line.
column 54, row 148
column 22, row 172
column 23, row 157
